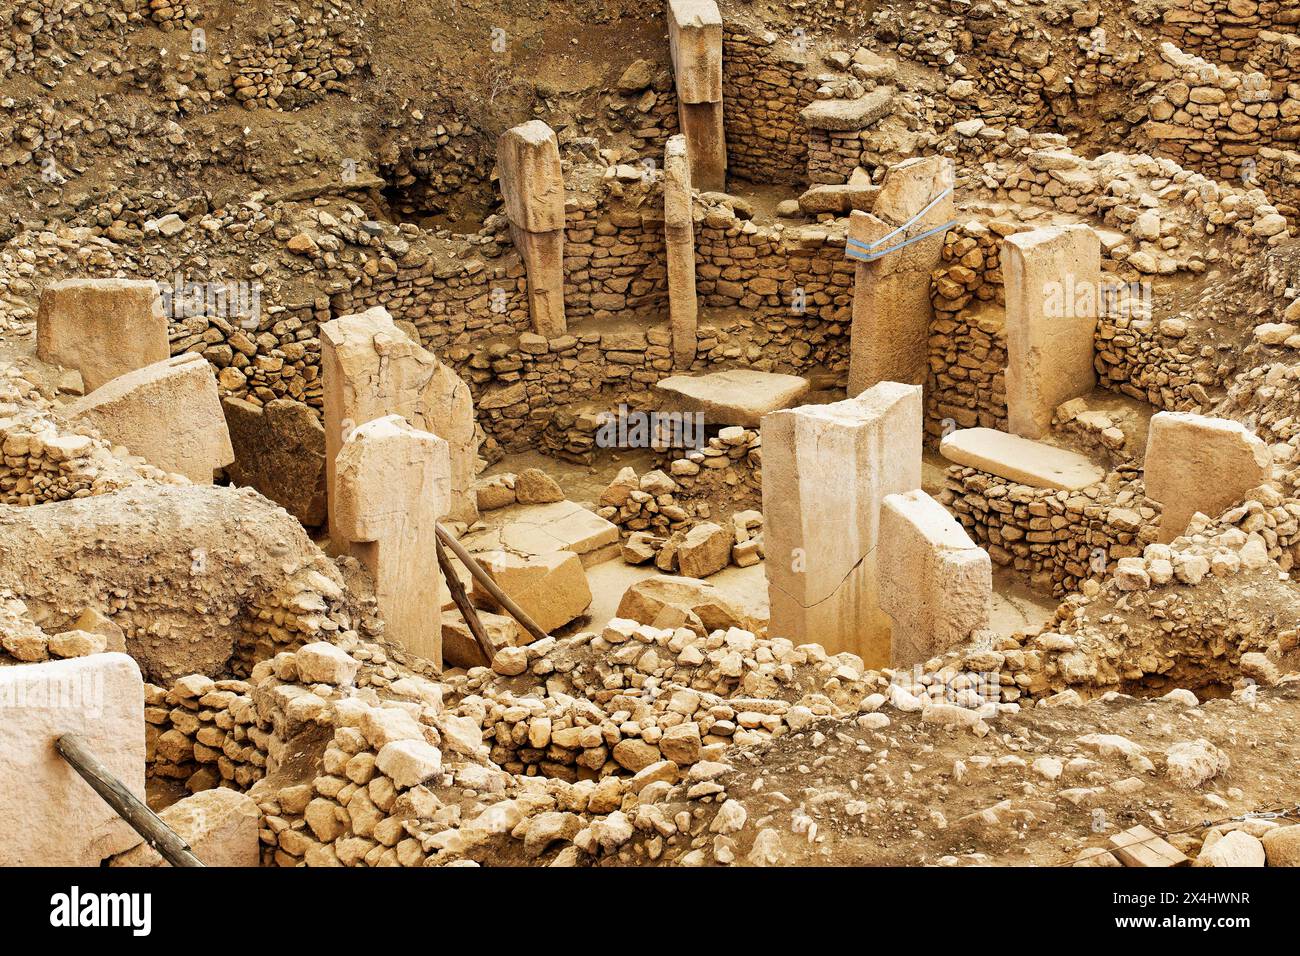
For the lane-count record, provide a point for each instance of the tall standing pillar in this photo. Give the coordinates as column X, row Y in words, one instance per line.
column 394, row 483
column 891, row 295
column 532, row 184
column 1052, row 280
column 679, row 238
column 695, row 38
column 826, row 471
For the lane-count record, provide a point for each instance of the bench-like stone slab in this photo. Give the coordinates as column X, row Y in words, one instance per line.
column 1021, row 460
column 737, row 396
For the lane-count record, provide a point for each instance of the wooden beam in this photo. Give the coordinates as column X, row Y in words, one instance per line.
column 467, row 610
column 492, row 588
column 129, row 807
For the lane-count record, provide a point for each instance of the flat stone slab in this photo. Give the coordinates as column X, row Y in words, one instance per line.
column 849, row 115
column 544, row 529
column 1019, row 459
column 737, row 396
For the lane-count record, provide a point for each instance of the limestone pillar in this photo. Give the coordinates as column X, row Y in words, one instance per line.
column 370, row 368
column 532, row 184
column 695, row 40
column 1196, row 463
column 889, row 341
column 1052, row 280
column 394, row 483
column 679, row 238
column 826, row 470
column 102, row 327
column 936, row 584
column 49, row 816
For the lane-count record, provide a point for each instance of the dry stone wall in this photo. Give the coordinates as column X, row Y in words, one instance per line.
column 765, row 86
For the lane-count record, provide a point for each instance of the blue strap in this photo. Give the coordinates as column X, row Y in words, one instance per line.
column 867, row 252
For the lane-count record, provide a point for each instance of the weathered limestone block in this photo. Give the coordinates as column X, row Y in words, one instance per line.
column 551, row 588
column 1197, row 463
column 936, row 584
column 1021, row 460
column 695, row 41
column 532, row 181
column 659, row 599
column 705, row 550
column 826, row 469
column 532, row 185
column 1052, row 279
column 49, row 816
column 102, row 327
column 371, row 368
column 279, row 450
column 168, row 413
column 394, row 484
column 679, row 240
column 220, row 826
column 736, row 396
column 891, row 295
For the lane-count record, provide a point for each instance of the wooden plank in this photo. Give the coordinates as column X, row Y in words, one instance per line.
column 129, row 807
column 1139, row 846
column 461, row 600
column 492, row 588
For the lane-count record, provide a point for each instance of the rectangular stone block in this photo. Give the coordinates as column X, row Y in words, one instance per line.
column 695, row 41
column 1021, row 460
column 49, row 816
column 1053, row 282
column 936, row 584
column 532, row 181
column 1197, row 463
column 826, row 469
column 169, row 413
column 102, row 327
column 551, row 588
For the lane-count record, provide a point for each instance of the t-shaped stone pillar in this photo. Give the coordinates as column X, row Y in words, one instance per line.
column 695, row 40
column 102, row 327
column 679, row 238
column 826, row 469
column 371, row 368
column 891, row 295
column 936, row 584
column 532, row 184
column 394, row 483
column 1052, row 280
column 1197, row 463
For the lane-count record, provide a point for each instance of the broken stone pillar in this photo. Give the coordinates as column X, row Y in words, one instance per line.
column 371, row 368
column 551, row 588
column 1196, row 463
column 102, row 327
column 936, row 584
column 168, row 413
column 532, row 184
column 49, row 816
column 695, row 40
column 889, row 341
column 679, row 238
column 1052, row 280
column 826, row 469
column 393, row 485
column 279, row 450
